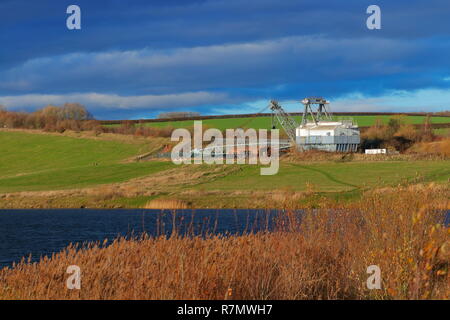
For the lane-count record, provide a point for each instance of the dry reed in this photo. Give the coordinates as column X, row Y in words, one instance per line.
column 166, row 204
column 322, row 254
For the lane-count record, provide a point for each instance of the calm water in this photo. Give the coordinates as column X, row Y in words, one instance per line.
column 43, row 232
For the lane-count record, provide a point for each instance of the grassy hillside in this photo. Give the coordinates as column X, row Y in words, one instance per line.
column 265, row 122
column 42, row 162
column 45, row 162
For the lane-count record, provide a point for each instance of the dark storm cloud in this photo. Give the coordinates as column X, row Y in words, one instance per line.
column 147, row 55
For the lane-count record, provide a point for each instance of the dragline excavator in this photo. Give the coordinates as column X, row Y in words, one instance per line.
column 317, row 129
column 284, row 119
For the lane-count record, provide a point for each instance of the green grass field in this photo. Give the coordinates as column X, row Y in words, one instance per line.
column 265, row 122
column 47, row 162
column 333, row 176
column 41, row 162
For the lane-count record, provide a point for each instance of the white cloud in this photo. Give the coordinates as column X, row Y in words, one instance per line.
column 115, row 102
column 425, row 100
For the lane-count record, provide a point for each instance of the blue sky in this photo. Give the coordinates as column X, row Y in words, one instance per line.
column 135, row 59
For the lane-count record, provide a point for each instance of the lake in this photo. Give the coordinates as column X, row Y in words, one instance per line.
column 43, row 232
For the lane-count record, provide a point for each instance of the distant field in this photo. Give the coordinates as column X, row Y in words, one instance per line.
column 445, row 132
column 265, row 122
column 47, row 162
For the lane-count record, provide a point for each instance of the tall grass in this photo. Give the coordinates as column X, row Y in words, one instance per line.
column 166, row 204
column 320, row 254
column 441, row 147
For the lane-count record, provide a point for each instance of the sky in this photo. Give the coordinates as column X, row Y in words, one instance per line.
column 135, row 59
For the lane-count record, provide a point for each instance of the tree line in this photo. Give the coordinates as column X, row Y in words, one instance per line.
column 72, row 116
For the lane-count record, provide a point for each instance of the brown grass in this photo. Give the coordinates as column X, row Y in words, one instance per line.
column 441, row 148
column 166, row 204
column 324, row 255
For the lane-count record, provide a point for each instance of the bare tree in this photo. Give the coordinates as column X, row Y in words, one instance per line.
column 75, row 111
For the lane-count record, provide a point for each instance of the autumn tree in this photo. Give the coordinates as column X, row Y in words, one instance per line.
column 75, row 111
